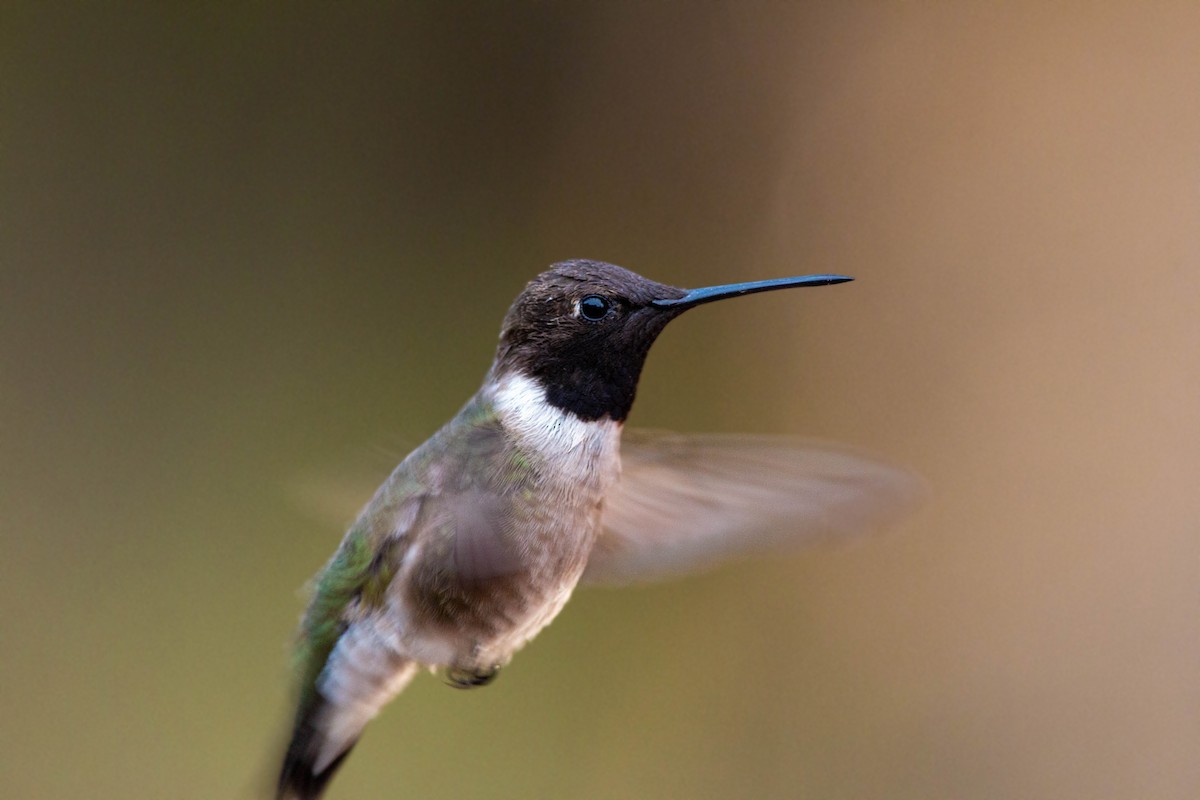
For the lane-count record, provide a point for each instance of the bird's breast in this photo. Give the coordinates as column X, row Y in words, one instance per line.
column 500, row 554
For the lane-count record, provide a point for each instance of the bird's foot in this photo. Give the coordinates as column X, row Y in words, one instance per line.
column 471, row 677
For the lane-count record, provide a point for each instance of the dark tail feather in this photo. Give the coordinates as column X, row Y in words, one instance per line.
column 299, row 780
column 357, row 680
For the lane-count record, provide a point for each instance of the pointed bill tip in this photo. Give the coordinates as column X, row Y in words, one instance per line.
column 708, row 294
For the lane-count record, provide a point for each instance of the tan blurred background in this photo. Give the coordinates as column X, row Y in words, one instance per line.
column 245, row 248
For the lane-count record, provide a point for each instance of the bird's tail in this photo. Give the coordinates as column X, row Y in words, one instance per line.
column 303, row 776
column 331, row 718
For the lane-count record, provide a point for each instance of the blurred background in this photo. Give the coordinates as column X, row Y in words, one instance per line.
column 252, row 251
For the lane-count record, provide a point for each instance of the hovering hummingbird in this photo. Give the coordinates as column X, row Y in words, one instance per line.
column 477, row 539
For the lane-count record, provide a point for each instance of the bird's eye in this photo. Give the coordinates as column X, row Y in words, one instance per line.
column 594, row 307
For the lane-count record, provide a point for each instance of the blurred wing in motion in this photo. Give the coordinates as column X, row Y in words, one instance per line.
column 685, row 503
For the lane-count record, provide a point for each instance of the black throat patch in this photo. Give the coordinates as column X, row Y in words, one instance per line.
column 590, row 394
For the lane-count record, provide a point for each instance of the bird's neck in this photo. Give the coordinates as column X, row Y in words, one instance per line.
column 570, row 448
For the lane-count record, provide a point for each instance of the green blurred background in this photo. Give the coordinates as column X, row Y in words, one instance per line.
column 251, row 253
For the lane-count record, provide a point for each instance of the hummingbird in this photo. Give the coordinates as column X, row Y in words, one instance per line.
column 479, row 537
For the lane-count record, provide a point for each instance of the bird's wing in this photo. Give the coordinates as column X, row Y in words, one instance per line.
column 685, row 503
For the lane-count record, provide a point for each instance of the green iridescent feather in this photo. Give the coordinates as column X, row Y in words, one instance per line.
column 341, row 582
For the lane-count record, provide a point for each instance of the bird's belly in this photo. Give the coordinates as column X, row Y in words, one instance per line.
column 499, row 648
column 446, row 620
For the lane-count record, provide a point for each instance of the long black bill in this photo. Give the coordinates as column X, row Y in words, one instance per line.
column 708, row 294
